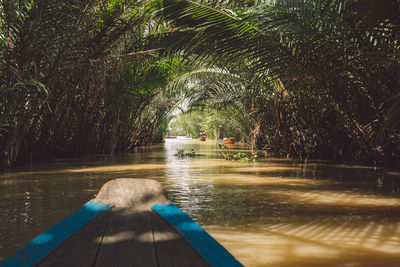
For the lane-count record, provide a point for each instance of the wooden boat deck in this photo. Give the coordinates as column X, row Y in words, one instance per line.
column 121, row 229
column 127, row 238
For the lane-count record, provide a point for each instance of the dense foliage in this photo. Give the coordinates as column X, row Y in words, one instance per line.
column 314, row 78
column 318, row 78
column 75, row 79
column 195, row 121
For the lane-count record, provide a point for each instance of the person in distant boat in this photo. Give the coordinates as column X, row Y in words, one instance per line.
column 203, row 136
column 221, row 132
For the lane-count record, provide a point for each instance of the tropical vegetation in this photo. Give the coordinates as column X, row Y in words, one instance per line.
column 76, row 79
column 310, row 79
column 316, row 78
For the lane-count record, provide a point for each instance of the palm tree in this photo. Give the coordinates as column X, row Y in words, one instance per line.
column 345, row 52
column 63, row 65
column 243, row 102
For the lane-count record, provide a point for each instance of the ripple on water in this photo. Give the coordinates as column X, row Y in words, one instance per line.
column 275, row 212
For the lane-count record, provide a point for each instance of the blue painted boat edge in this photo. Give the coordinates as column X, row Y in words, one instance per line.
column 205, row 245
column 43, row 244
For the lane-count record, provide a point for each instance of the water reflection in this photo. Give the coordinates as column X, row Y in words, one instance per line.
column 184, row 177
column 274, row 212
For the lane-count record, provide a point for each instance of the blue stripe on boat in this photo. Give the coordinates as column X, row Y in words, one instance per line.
column 43, row 244
column 197, row 237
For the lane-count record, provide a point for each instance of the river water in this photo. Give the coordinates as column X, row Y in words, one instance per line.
column 275, row 212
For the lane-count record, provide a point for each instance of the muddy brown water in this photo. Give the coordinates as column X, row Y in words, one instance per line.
column 275, row 212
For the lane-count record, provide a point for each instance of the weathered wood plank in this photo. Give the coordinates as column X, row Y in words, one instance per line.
column 128, row 240
column 213, row 252
column 80, row 249
column 42, row 245
column 172, row 249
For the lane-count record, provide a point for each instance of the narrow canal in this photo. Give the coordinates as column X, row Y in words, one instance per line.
column 271, row 213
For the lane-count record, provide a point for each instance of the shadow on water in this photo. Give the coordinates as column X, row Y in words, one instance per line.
column 275, row 212
column 311, row 242
column 319, row 242
column 133, row 236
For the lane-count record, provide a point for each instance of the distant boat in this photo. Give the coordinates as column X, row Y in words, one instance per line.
column 226, row 141
column 229, row 141
column 171, row 137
